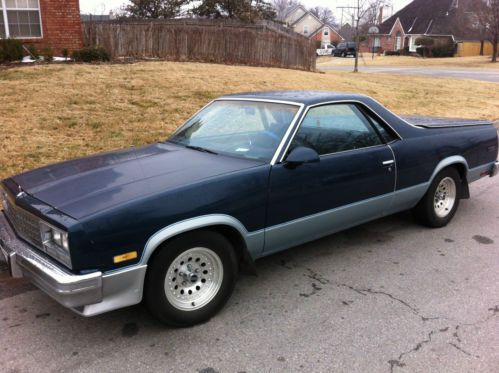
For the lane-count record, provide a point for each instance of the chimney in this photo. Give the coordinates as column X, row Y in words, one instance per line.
column 380, row 19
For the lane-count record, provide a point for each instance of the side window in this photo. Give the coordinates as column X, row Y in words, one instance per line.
column 387, row 135
column 335, row 128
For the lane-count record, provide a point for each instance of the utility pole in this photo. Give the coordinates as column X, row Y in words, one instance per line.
column 356, row 66
column 342, row 10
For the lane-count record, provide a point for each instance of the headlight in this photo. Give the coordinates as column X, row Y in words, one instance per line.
column 55, row 243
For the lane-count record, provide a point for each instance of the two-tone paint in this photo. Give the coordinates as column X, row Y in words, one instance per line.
column 136, row 199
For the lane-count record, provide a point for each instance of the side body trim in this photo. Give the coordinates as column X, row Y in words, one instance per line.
column 478, row 172
column 455, row 159
column 254, row 240
column 299, row 231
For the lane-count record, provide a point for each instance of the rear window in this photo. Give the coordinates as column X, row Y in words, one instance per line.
column 341, row 45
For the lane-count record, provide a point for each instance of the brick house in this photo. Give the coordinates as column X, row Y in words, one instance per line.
column 304, row 22
column 447, row 22
column 43, row 23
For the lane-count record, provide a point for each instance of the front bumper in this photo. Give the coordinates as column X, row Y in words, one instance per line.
column 88, row 294
column 495, row 169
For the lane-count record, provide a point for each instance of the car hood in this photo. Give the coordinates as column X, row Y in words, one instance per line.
column 85, row 186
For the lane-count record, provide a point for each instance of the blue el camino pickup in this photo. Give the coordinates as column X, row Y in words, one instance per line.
column 247, row 176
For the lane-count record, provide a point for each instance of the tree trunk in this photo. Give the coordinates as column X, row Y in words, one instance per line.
column 494, row 47
column 481, row 47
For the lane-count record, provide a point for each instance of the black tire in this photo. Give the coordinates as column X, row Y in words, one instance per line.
column 154, row 290
column 425, row 211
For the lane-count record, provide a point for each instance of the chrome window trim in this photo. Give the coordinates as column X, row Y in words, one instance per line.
column 286, row 134
column 331, row 103
column 352, row 150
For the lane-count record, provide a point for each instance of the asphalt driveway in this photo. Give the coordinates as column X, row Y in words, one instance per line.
column 467, row 73
column 387, row 296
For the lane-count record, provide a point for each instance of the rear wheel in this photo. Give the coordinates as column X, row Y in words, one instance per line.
column 441, row 201
column 191, row 278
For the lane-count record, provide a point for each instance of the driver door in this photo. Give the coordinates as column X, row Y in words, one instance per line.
column 353, row 182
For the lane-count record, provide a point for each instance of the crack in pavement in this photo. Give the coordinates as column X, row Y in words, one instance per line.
column 461, row 349
column 313, row 275
column 398, row 362
column 364, row 292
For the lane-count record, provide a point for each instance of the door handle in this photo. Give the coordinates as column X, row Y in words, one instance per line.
column 388, row 163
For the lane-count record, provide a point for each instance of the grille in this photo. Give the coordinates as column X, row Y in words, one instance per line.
column 26, row 225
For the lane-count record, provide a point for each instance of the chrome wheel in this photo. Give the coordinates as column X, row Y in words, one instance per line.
column 193, row 279
column 445, row 197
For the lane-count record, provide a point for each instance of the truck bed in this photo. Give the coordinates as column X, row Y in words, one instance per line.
column 438, row 122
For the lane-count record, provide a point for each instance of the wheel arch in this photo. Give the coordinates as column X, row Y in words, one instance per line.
column 247, row 245
column 461, row 165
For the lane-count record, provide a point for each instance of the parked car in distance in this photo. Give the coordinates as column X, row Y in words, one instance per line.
column 345, row 49
column 247, row 176
column 326, row 50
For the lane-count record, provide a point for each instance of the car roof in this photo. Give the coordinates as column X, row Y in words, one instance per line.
column 301, row 97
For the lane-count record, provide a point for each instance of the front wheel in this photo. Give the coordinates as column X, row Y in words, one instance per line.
column 191, row 278
column 441, row 201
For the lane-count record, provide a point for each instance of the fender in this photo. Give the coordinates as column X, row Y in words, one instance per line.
column 253, row 241
column 449, row 161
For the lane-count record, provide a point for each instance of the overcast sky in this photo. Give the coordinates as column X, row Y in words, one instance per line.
column 103, row 7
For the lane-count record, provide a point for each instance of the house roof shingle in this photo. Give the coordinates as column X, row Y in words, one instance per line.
column 432, row 17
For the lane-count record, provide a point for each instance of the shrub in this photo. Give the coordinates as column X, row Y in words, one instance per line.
column 424, row 41
column 405, row 51
column 10, row 50
column 48, row 53
column 65, row 53
column 423, row 51
column 91, row 54
column 443, row 51
column 392, row 53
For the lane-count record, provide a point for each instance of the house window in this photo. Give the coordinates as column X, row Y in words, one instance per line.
column 326, row 32
column 20, row 19
column 305, row 29
column 377, row 42
column 398, row 41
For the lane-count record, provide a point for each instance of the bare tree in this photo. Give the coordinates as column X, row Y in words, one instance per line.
column 363, row 13
column 324, row 14
column 487, row 16
column 153, row 8
column 282, row 7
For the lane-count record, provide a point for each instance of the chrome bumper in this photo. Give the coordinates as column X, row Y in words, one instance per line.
column 495, row 169
column 89, row 294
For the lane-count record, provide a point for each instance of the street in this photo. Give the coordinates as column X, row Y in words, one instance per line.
column 386, row 296
column 485, row 75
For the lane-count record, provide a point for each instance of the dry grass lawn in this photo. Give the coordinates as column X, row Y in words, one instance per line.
column 477, row 62
column 50, row 113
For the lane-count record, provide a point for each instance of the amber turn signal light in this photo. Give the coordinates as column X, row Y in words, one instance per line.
column 124, row 257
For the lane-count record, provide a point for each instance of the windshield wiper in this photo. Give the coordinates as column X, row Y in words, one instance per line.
column 200, row 149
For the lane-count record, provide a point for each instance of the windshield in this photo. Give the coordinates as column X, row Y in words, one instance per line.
column 246, row 129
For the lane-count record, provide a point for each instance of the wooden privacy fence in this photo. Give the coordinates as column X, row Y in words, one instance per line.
column 259, row 44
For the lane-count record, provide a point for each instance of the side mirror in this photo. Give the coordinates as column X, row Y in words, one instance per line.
column 301, row 155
